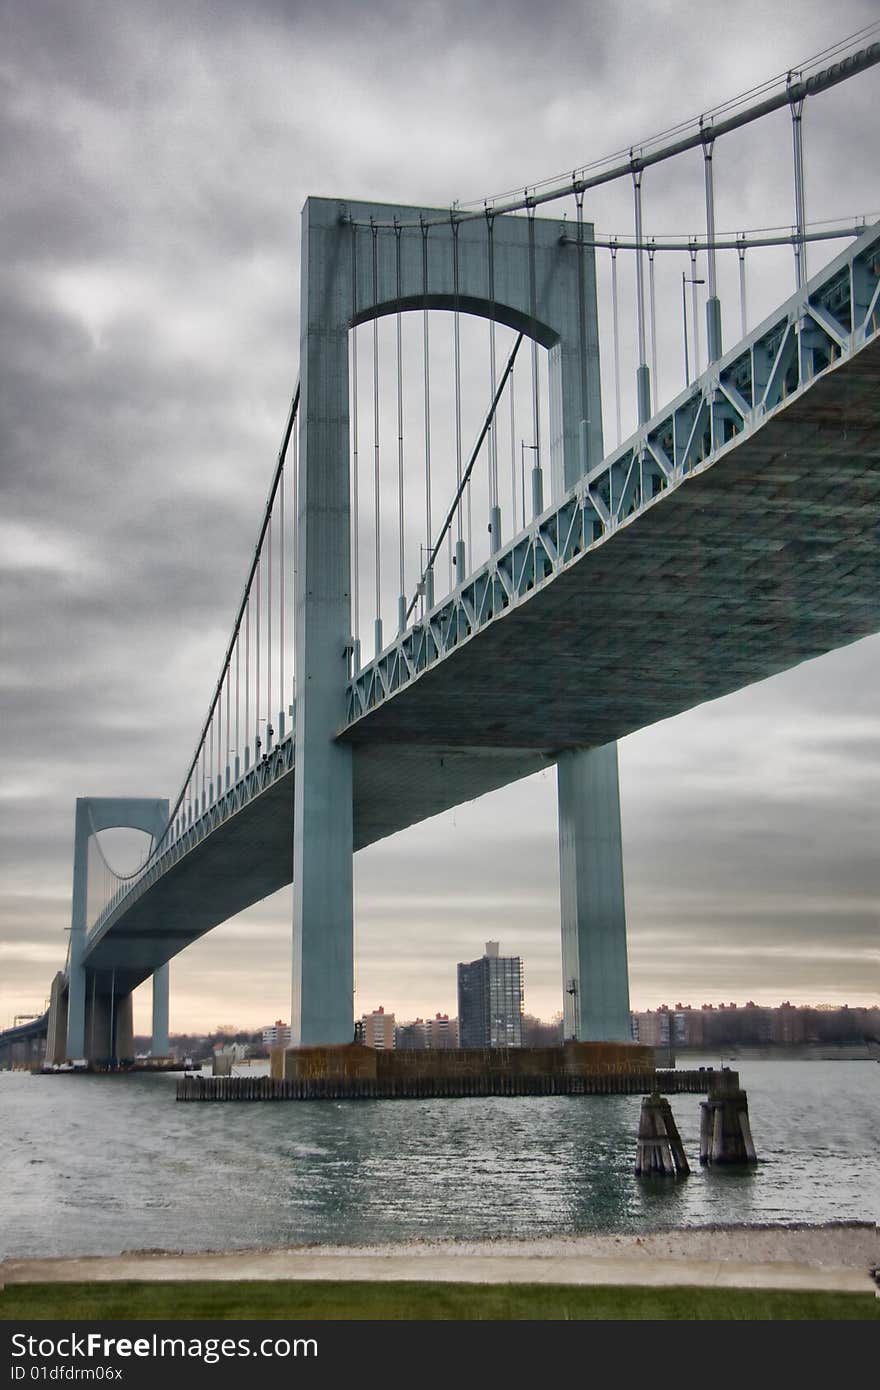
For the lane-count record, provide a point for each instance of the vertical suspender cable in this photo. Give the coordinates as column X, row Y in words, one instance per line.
column 474, row 455
column 800, row 246
column 513, row 511
column 713, row 303
column 401, row 600
column 653, row 304
column 355, row 516
column 459, row 561
column 247, row 682
column 741, row 253
column 378, row 622
column 615, row 326
column 228, row 725
column 470, row 520
column 537, row 480
column 429, row 572
column 258, row 741
column 269, row 637
column 237, row 704
column 583, row 424
column 643, row 380
column 294, row 493
column 494, row 505
column 281, row 605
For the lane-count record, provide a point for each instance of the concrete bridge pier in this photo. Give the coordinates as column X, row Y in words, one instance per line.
column 161, row 1045
column 322, row 1002
column 594, row 965
column 109, row 1034
column 56, row 1034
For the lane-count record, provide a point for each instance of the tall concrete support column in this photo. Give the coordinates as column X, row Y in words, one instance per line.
column 161, row 1045
column 123, row 1028
column 322, row 1007
column 595, row 981
column 56, row 1031
column 76, row 974
column 109, row 1033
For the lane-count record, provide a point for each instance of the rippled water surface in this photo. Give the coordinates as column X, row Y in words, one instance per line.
column 95, row 1165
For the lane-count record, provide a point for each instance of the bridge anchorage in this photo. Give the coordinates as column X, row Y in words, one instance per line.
column 730, row 536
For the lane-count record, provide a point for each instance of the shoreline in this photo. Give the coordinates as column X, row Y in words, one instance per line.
column 834, row 1256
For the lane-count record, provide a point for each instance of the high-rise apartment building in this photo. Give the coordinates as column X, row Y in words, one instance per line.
column 490, row 1000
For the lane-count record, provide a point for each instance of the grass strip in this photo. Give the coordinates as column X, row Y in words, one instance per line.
column 393, row 1301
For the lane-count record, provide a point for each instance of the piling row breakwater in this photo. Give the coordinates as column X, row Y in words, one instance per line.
column 267, row 1088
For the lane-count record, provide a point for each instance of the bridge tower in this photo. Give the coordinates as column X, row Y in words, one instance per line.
column 92, row 1017
column 361, row 261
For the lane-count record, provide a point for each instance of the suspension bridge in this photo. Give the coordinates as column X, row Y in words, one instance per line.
column 399, row 649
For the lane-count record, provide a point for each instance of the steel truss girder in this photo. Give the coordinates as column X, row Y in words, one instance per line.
column 831, row 318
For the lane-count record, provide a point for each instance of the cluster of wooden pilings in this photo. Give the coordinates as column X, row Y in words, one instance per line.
column 725, row 1133
column 266, row 1088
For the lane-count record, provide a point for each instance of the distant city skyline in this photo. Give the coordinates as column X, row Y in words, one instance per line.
column 157, row 162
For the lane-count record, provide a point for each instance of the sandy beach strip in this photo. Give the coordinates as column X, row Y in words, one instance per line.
column 838, row 1257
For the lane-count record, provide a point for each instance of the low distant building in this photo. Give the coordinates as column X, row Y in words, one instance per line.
column 653, row 1029
column 429, row 1034
column 713, row 1026
column 278, row 1035
column 441, row 1031
column 378, row 1029
column 410, row 1037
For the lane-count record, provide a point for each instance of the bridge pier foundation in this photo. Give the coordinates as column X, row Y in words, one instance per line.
column 109, row 1032
column 596, row 985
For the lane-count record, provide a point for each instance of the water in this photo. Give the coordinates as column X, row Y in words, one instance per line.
column 97, row 1165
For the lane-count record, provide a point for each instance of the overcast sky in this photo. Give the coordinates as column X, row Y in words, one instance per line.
column 155, row 160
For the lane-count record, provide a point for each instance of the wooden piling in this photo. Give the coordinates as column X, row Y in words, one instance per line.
column 725, row 1132
column 660, row 1150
